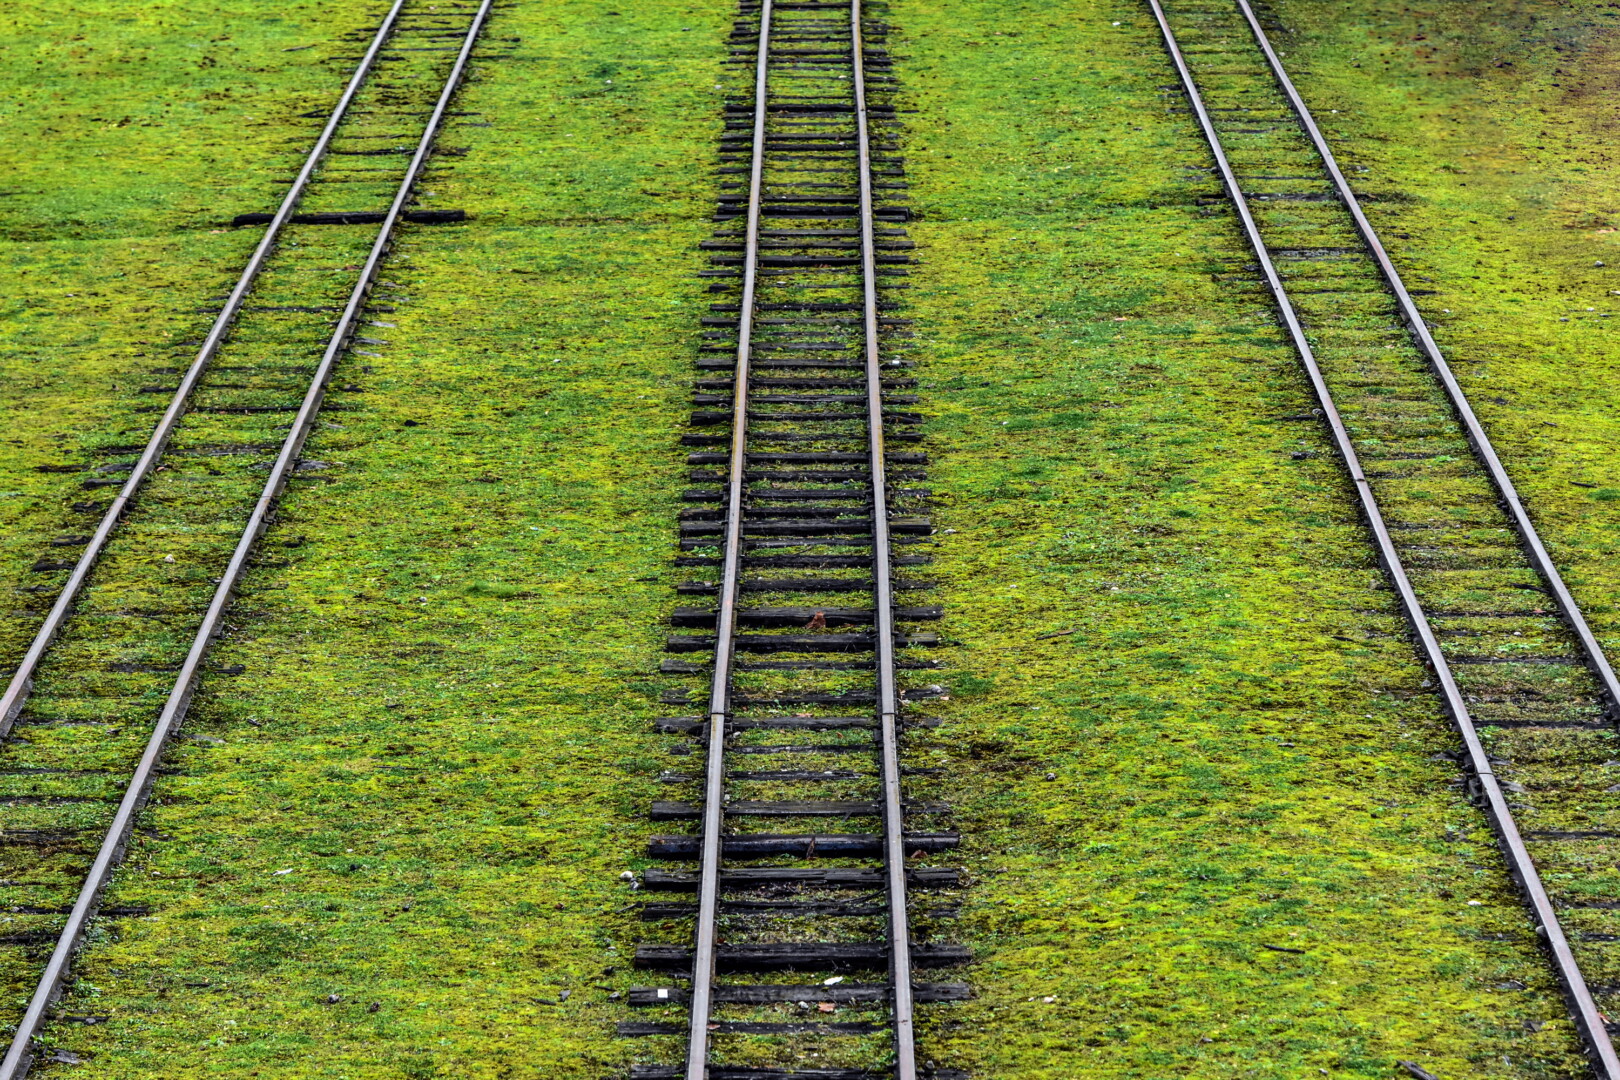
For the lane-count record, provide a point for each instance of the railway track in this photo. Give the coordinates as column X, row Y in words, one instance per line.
column 809, row 523
column 113, row 665
column 1516, row 664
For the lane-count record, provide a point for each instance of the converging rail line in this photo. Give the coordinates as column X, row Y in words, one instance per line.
column 153, row 584
column 804, row 368
column 1520, row 671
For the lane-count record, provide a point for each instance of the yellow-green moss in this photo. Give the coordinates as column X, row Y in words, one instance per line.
column 1502, row 130
column 442, row 734
column 1244, row 753
column 134, row 134
column 439, row 734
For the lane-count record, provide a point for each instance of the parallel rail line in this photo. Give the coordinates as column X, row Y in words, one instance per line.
column 22, row 679
column 78, row 624
column 810, row 534
column 1529, row 690
column 803, row 370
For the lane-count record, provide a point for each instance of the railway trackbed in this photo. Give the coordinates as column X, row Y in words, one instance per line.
column 1519, row 670
column 799, row 908
column 106, row 683
column 808, row 855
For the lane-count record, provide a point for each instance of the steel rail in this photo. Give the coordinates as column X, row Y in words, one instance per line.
column 888, row 695
column 1588, row 1019
column 1529, row 538
column 714, row 781
column 18, row 1057
column 22, row 680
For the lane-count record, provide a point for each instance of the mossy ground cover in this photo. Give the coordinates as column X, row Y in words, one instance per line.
column 130, row 134
column 418, row 797
column 1496, row 135
column 1242, row 744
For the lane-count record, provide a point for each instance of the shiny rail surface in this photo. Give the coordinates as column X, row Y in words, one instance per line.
column 90, row 759
column 1524, row 680
column 803, row 718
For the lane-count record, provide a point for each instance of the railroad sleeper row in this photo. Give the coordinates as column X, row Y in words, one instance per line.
column 804, row 386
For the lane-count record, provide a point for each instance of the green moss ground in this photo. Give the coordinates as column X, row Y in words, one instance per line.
column 1502, row 127
column 442, row 735
column 1241, row 747
column 130, row 135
